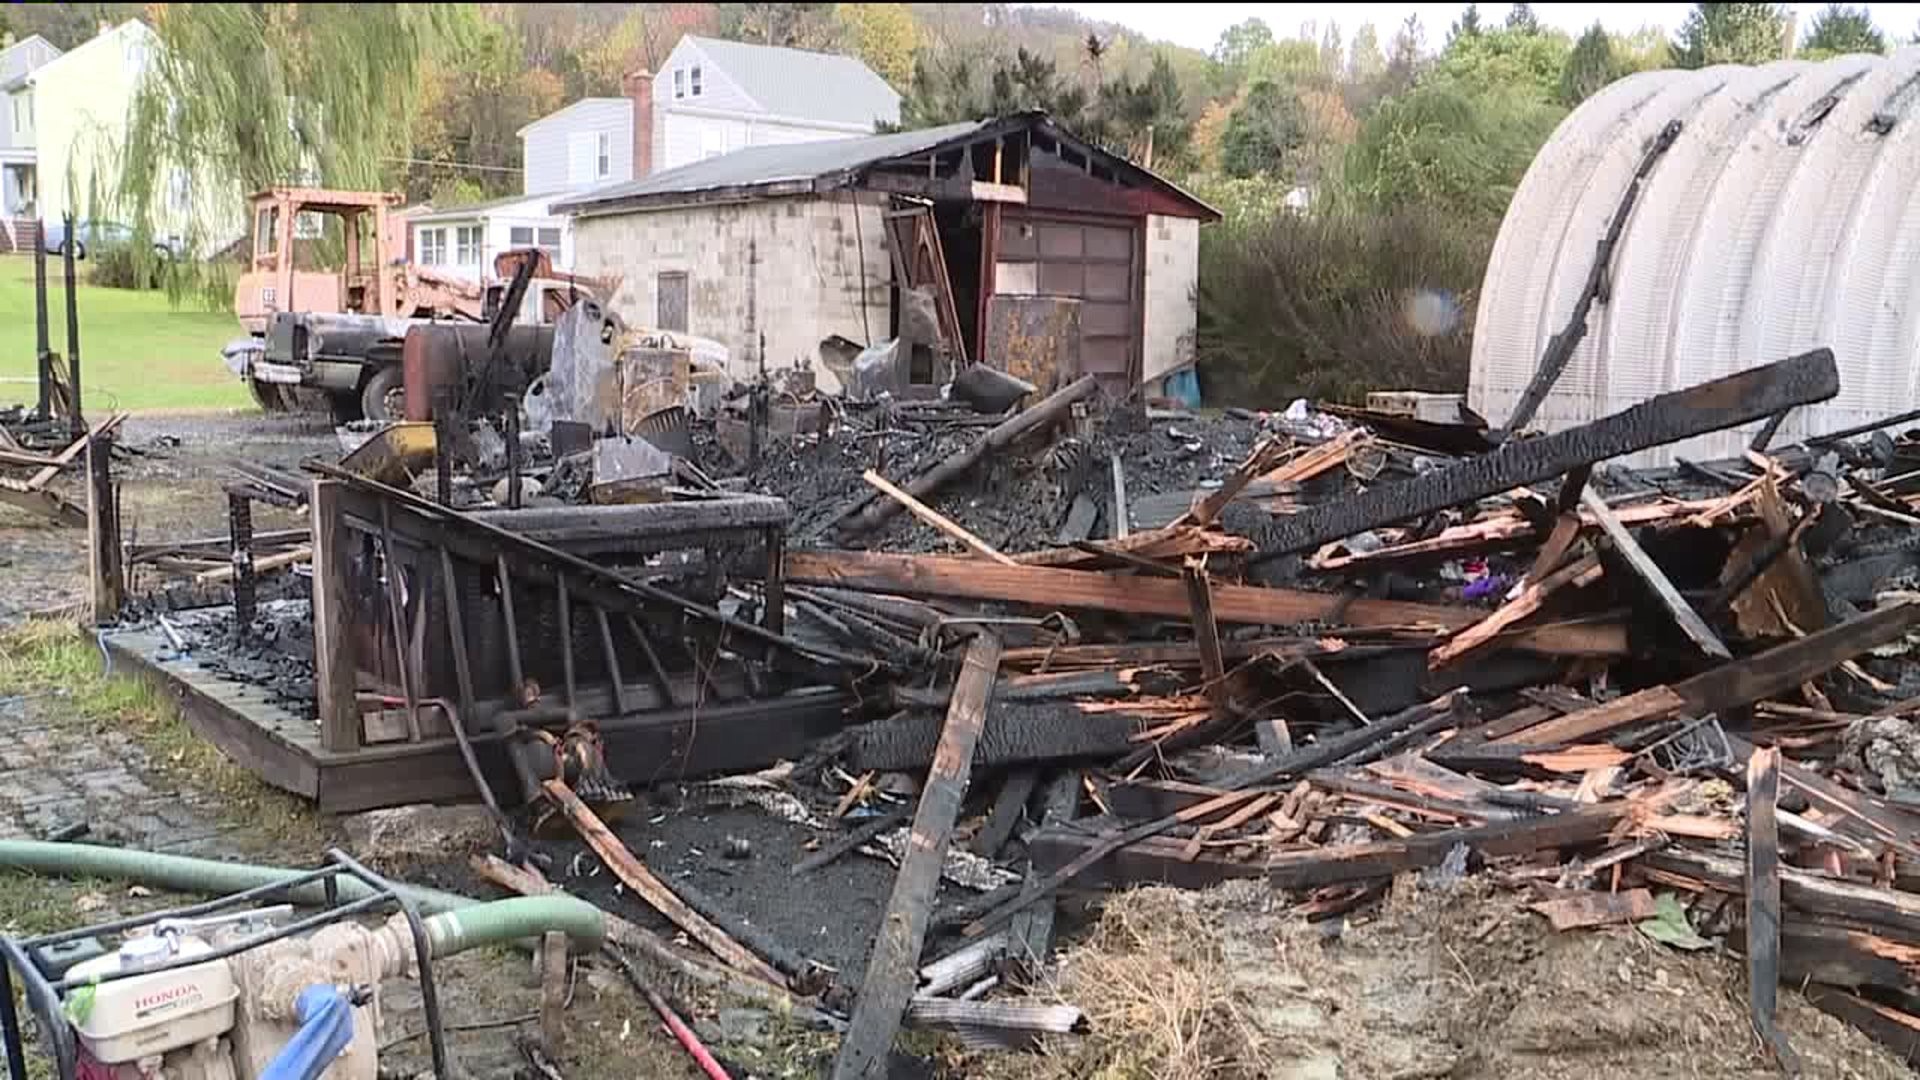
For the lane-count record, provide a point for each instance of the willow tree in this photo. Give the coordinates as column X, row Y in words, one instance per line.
column 236, row 98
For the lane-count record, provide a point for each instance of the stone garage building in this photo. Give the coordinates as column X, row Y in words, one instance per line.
column 788, row 245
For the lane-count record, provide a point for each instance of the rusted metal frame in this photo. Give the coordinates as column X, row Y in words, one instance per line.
column 456, row 633
column 654, row 665
column 566, row 636
column 516, row 666
column 396, row 619
column 773, row 589
column 612, row 659
column 456, row 522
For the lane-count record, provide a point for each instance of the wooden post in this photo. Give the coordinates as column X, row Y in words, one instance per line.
column 893, row 968
column 103, row 532
column 1206, row 636
column 1763, row 902
column 553, row 992
column 334, row 661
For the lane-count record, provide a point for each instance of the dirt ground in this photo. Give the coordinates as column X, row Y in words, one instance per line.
column 1456, row 982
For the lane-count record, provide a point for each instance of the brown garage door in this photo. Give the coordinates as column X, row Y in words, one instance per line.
column 1091, row 261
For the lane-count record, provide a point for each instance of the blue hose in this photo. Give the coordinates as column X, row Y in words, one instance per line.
column 326, row 1027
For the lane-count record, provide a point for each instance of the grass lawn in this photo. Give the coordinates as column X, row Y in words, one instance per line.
column 137, row 351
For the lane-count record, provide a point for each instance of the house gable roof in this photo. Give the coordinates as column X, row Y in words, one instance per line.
column 566, row 109
column 537, row 203
column 17, row 59
column 825, row 87
column 828, row 165
column 131, row 28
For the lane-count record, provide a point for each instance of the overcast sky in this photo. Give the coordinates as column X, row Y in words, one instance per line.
column 1199, row 25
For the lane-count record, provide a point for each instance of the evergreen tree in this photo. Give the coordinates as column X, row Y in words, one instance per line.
column 1732, row 34
column 1522, row 19
column 1590, row 66
column 1839, row 29
column 1263, row 132
column 1467, row 25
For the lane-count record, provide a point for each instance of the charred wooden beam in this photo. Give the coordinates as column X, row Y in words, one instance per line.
column 1364, row 862
column 893, row 968
column 1015, row 734
column 1355, row 747
column 1047, row 411
column 1009, row 807
column 970, row 579
column 1890, row 912
column 1711, row 406
column 1030, row 934
column 1742, row 682
column 1898, row 1031
column 1763, row 903
column 861, row 834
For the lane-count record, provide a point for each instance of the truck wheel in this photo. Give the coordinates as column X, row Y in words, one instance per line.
column 384, row 397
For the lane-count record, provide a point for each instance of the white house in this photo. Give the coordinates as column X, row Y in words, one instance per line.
column 19, row 162
column 710, row 97
column 464, row 240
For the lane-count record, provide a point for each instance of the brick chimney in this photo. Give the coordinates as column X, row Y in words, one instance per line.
column 639, row 88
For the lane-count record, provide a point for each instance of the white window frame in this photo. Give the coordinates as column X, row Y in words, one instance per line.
column 693, row 82
column 548, row 237
column 679, row 83
column 433, row 247
column 603, row 155
column 22, row 113
column 469, row 244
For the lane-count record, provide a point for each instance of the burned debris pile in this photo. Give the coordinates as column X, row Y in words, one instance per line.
column 1029, row 652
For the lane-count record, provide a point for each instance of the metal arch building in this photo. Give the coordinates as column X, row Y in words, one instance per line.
column 1784, row 216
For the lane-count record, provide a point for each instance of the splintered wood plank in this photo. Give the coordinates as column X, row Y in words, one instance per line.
column 1590, row 909
column 1166, row 542
column 1363, row 862
column 1577, row 574
column 657, row 893
column 893, row 969
column 1262, row 457
column 1730, row 685
column 970, row 579
column 935, row 518
column 1763, row 903
column 1656, row 579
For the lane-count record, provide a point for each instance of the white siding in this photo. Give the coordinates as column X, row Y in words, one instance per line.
column 559, row 151
column 1780, row 220
column 1171, row 274
column 500, row 236
column 717, row 91
column 682, row 137
column 806, row 284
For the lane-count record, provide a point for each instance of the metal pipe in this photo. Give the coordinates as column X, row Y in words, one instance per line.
column 43, row 347
column 75, row 421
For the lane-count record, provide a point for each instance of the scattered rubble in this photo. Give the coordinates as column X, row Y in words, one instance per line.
column 1407, row 674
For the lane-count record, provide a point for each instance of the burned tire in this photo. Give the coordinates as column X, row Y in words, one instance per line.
column 384, row 397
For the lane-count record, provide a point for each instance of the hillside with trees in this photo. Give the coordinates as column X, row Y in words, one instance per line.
column 1363, row 175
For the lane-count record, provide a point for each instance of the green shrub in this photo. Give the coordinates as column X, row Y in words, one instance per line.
column 119, row 266
column 1338, row 302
